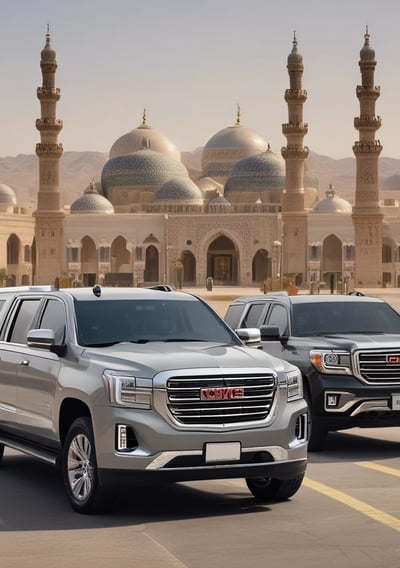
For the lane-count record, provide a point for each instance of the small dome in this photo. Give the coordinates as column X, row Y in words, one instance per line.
column 133, row 141
column 48, row 53
column 7, row 194
column 261, row 172
column 91, row 202
column 332, row 204
column 295, row 58
column 145, row 168
column 178, row 189
column 367, row 53
column 220, row 201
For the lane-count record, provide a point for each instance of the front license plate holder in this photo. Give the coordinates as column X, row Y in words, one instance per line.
column 395, row 402
column 222, row 452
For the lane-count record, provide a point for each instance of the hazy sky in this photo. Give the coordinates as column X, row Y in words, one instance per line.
column 189, row 63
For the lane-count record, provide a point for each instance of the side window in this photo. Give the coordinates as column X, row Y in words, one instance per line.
column 278, row 316
column 23, row 321
column 253, row 315
column 54, row 318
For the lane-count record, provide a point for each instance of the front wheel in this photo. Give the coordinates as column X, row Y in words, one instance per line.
column 79, row 469
column 270, row 489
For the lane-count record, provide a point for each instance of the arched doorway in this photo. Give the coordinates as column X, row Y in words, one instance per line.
column 222, row 262
column 260, row 267
column 121, row 264
column 151, row 270
column 189, row 268
column 88, row 262
column 331, row 261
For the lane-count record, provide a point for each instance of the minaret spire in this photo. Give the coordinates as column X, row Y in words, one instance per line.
column 367, row 214
column 294, row 218
column 49, row 216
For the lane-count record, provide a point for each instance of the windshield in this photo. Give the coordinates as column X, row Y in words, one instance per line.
column 344, row 317
column 105, row 322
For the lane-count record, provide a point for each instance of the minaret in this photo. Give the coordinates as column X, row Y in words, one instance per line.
column 367, row 215
column 49, row 217
column 294, row 217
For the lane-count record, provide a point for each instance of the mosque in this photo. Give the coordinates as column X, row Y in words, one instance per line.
column 253, row 218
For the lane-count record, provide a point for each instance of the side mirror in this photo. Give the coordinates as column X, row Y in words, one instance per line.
column 270, row 333
column 249, row 335
column 45, row 339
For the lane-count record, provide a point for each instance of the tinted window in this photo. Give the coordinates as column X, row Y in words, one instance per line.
column 112, row 321
column 54, row 318
column 252, row 317
column 278, row 316
column 345, row 317
column 23, row 322
column 232, row 316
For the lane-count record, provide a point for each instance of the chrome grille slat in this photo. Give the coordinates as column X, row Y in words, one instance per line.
column 187, row 407
column 375, row 368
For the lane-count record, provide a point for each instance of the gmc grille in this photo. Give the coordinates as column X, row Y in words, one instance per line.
column 379, row 367
column 235, row 398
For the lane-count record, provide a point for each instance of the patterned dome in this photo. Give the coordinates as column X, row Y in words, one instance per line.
column 91, row 202
column 145, row 168
column 229, row 146
column 133, row 141
column 310, row 179
column 7, row 194
column 178, row 189
column 262, row 172
column 332, row 204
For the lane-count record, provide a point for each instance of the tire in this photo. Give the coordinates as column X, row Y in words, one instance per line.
column 270, row 489
column 79, row 469
column 317, row 435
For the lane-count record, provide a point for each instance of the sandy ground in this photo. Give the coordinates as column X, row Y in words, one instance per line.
column 220, row 297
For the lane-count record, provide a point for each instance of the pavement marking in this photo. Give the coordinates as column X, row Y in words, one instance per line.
column 380, row 468
column 355, row 504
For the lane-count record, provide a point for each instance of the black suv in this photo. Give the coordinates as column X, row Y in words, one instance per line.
column 346, row 346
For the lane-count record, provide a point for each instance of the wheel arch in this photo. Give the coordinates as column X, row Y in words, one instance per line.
column 70, row 410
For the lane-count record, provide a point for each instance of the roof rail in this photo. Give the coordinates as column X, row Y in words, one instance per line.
column 162, row 287
column 38, row 288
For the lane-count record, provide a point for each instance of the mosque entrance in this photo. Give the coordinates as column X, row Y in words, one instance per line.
column 222, row 262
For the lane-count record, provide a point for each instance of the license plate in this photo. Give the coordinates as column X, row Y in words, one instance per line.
column 225, row 451
column 395, row 401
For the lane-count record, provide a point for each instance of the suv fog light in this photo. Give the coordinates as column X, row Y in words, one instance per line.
column 125, row 438
column 332, row 400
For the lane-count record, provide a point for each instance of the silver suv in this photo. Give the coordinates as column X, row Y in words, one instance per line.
column 123, row 384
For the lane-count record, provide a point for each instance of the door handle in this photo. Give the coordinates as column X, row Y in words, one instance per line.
column 24, row 363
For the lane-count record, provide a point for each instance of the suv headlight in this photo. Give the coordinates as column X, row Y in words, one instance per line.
column 331, row 362
column 124, row 390
column 294, row 385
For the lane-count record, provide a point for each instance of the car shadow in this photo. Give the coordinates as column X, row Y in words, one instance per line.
column 347, row 446
column 32, row 498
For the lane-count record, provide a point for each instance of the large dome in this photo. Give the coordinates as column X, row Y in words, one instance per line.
column 227, row 147
column 261, row 172
column 332, row 204
column 7, row 194
column 133, row 141
column 178, row 189
column 91, row 202
column 145, row 168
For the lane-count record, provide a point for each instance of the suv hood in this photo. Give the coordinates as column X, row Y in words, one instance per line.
column 153, row 357
column 352, row 341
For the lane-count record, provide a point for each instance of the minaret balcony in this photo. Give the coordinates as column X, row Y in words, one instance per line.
column 48, row 93
column 295, row 128
column 297, row 95
column 365, row 121
column 49, row 150
column 294, row 152
column 368, row 91
column 49, row 124
column 367, row 148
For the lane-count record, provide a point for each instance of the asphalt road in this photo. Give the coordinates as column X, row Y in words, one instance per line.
column 346, row 514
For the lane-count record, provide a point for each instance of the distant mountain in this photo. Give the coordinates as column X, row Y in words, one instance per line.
column 77, row 169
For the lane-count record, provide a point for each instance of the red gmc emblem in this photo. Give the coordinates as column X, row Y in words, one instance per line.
column 395, row 359
column 221, row 393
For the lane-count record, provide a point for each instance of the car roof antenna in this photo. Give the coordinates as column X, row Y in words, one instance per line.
column 97, row 291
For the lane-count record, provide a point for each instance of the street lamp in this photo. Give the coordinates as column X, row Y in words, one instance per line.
column 277, row 261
